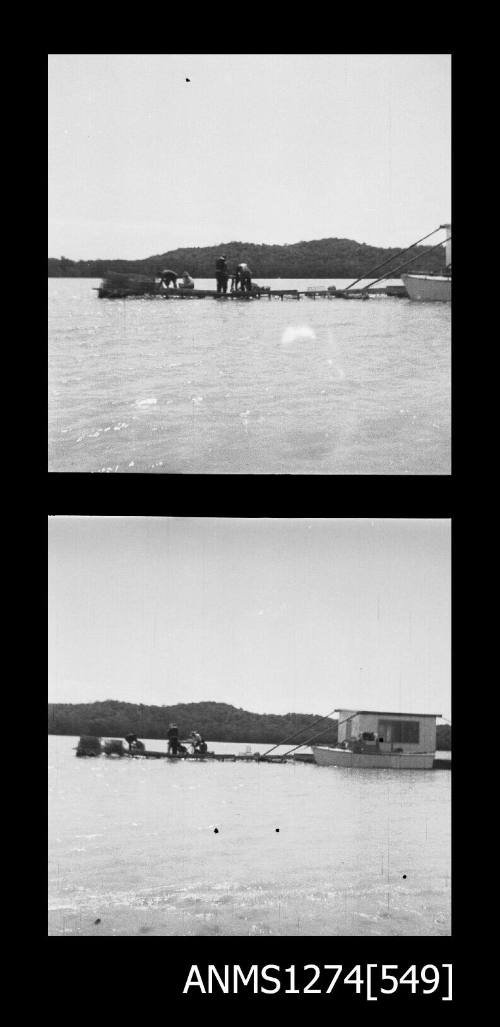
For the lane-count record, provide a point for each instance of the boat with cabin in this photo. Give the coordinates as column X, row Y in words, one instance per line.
column 381, row 740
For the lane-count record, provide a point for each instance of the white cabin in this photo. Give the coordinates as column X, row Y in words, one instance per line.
column 389, row 732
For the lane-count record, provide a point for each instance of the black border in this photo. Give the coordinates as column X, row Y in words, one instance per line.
column 234, row 495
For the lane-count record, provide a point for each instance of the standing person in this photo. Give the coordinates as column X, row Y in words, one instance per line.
column 173, row 740
column 245, row 277
column 221, row 274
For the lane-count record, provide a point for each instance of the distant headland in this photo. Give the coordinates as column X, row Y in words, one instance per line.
column 319, row 258
column 218, row 722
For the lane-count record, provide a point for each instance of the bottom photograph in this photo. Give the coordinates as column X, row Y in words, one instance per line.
column 249, row 726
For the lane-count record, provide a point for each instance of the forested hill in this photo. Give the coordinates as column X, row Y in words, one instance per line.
column 320, row 258
column 218, row 722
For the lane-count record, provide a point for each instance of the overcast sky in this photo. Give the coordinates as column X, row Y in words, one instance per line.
column 273, row 616
column 272, row 148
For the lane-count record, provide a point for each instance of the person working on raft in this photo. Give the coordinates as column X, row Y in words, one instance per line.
column 173, row 740
column 131, row 739
column 198, row 743
column 169, row 278
column 186, row 282
column 221, row 275
column 244, row 277
column 134, row 744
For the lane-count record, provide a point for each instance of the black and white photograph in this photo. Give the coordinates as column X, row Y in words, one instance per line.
column 249, row 727
column 250, row 264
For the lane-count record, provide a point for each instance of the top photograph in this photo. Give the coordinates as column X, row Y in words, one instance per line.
column 249, row 264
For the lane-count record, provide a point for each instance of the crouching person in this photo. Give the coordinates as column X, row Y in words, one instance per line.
column 185, row 281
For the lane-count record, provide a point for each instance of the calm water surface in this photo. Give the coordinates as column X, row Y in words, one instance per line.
column 132, row 843
column 309, row 387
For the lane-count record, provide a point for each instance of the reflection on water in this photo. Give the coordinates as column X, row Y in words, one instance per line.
column 299, row 849
column 314, row 387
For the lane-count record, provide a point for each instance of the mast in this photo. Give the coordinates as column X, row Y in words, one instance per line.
column 447, row 229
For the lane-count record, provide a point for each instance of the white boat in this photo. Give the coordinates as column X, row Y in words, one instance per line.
column 431, row 288
column 434, row 288
column 380, row 739
column 326, row 757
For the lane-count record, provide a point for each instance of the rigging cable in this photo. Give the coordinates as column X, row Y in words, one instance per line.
column 395, row 257
column 311, row 739
column 290, row 737
column 405, row 264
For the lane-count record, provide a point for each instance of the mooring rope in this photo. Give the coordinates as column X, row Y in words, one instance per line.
column 317, row 735
column 395, row 257
column 406, row 263
column 307, row 727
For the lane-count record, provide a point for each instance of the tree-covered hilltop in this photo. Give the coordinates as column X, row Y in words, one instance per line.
column 218, row 722
column 320, row 258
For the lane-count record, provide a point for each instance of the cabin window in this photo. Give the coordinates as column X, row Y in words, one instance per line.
column 406, row 731
column 348, row 728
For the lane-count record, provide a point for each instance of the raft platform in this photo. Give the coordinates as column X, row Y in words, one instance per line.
column 124, row 287
column 91, row 745
column 107, row 293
